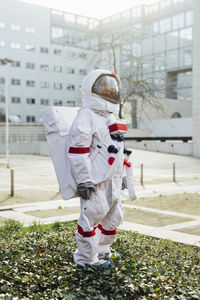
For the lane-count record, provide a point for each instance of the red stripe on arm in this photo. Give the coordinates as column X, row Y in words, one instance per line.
column 117, row 126
column 76, row 150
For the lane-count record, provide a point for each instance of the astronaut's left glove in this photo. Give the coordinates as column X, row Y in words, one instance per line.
column 85, row 189
column 124, row 183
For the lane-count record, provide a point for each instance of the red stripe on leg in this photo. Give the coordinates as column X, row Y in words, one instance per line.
column 107, row 232
column 86, row 233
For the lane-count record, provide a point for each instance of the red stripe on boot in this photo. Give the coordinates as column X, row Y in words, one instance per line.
column 86, row 233
column 75, row 150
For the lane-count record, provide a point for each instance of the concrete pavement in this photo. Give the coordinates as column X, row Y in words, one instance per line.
column 37, row 198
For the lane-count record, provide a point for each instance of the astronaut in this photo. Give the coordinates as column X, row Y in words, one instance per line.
column 96, row 155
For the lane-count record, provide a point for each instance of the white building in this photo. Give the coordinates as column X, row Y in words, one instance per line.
column 42, row 73
column 52, row 51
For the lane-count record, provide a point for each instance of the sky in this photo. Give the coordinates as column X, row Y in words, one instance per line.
column 92, row 8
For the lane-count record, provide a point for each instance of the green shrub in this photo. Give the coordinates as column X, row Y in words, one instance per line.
column 38, row 264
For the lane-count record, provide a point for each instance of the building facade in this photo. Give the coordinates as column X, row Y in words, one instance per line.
column 53, row 50
column 42, row 73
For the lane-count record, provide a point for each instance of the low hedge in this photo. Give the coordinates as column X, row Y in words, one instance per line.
column 37, row 263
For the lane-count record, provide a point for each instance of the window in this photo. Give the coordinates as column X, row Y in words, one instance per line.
column 44, row 101
column 44, row 68
column 70, row 103
column 57, row 69
column 2, row 99
column 56, row 33
column 2, row 44
column 159, row 43
column 44, row 84
column 57, row 102
column 172, row 40
column 57, row 52
column 30, row 119
column 15, row 81
column 30, row 30
column 2, row 25
column 165, row 3
column 15, row 45
column 178, row 21
column 15, row 99
column 82, row 72
column 147, row 46
column 30, row 83
column 136, row 49
column 189, row 18
column 44, row 50
column 71, row 87
column 70, row 70
column 186, row 37
column 30, row 48
column 69, row 17
column 172, row 59
column 14, row 27
column 156, row 27
column 57, row 86
column 159, row 62
column 2, row 80
column 165, row 25
column 30, row 66
column 30, row 100
column 82, row 55
column 16, row 64
column 186, row 56
column 184, row 79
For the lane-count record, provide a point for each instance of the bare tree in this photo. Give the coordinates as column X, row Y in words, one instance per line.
column 114, row 51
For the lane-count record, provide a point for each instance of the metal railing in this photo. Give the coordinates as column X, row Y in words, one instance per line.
column 184, row 139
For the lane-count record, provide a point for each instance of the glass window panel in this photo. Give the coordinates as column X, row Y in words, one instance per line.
column 186, row 57
column 56, row 32
column 186, row 37
column 159, row 43
column 156, row 27
column 159, row 62
column 165, row 25
column 147, row 46
column 69, row 17
column 178, row 21
column 147, row 65
column 136, row 49
column 189, row 18
column 172, row 40
column 184, row 79
column 172, row 59
column 165, row 3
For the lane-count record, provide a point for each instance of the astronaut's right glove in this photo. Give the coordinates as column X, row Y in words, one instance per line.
column 85, row 189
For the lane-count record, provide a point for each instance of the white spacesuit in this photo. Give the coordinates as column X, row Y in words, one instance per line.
column 96, row 156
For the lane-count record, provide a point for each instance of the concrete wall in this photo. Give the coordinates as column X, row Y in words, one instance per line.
column 168, row 127
column 196, row 79
column 30, row 139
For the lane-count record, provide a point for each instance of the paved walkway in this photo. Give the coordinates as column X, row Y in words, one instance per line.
column 34, row 183
column 25, row 213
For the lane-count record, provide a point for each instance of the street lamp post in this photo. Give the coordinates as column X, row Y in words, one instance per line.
column 5, row 61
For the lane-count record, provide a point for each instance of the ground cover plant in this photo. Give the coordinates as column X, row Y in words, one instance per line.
column 37, row 263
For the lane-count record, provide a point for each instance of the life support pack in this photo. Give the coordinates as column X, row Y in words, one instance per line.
column 57, row 123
